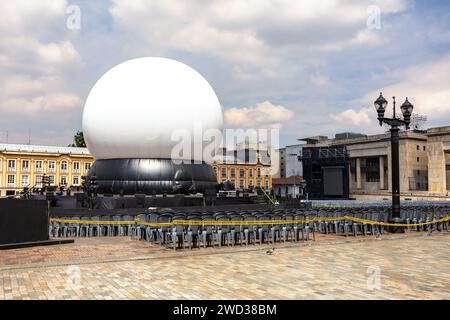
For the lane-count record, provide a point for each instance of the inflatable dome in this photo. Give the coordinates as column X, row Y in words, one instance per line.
column 137, row 108
column 134, row 118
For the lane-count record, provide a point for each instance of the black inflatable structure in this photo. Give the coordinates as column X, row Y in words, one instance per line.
column 151, row 176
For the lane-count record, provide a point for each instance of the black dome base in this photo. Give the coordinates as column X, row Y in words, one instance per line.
column 151, row 176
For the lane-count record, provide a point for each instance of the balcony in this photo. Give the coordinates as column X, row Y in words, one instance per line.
column 11, row 185
column 11, row 169
column 25, row 169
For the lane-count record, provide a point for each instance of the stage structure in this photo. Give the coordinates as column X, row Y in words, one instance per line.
column 134, row 117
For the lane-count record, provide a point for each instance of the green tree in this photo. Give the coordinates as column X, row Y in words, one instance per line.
column 78, row 139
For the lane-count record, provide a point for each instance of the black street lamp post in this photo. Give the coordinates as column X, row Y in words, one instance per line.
column 395, row 124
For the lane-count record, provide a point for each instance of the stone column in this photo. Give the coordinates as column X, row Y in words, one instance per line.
column 381, row 172
column 358, row 173
column 436, row 168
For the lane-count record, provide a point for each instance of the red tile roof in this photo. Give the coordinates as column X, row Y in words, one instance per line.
column 287, row 181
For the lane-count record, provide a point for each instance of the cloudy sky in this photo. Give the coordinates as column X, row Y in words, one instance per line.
column 306, row 67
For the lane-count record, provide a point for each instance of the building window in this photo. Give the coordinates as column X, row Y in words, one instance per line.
column 424, row 148
column 51, row 166
column 259, row 172
column 372, row 162
column 11, row 180
column 63, row 180
column 11, row 165
column 418, row 159
column 38, row 165
column 266, row 184
column 25, row 165
column 233, row 172
column 250, row 183
column 64, row 166
column 250, row 172
column 224, row 172
column 24, row 181
column 76, row 180
column 76, row 167
column 241, row 184
column 38, row 181
column 233, row 182
column 87, row 167
column 258, row 183
column 241, row 173
column 417, row 147
column 215, row 170
column 372, row 177
column 51, row 180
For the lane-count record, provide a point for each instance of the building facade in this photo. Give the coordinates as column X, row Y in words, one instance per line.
column 287, row 187
column 23, row 166
column 424, row 164
column 246, row 169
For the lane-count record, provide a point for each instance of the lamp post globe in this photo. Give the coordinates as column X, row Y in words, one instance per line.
column 407, row 109
column 380, row 106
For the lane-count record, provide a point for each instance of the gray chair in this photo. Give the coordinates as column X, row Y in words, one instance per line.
column 178, row 234
column 117, row 229
column 208, row 231
column 193, row 231
column 263, row 229
column 84, row 227
column 74, row 227
column 235, row 231
column 106, row 229
column 128, row 229
column 275, row 229
column 250, row 231
column 288, row 228
column 163, row 231
column 222, row 230
column 94, row 227
column 139, row 232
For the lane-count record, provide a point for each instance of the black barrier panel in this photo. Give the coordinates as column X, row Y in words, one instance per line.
column 23, row 221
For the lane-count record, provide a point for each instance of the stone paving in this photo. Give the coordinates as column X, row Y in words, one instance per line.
column 405, row 267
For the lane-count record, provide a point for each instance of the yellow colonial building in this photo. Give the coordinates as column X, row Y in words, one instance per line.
column 24, row 165
column 246, row 169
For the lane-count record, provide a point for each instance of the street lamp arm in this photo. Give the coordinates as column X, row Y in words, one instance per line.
column 394, row 122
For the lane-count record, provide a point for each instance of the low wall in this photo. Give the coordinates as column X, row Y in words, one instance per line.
column 23, row 221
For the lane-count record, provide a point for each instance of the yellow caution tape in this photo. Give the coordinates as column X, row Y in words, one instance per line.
column 244, row 222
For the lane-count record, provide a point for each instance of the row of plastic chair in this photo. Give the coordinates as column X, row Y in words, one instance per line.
column 234, row 234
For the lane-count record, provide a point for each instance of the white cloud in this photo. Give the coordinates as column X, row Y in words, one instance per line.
column 426, row 86
column 34, row 56
column 319, row 79
column 50, row 102
column 350, row 117
column 260, row 33
column 263, row 114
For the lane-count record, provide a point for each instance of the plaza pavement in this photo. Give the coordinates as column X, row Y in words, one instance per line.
column 412, row 266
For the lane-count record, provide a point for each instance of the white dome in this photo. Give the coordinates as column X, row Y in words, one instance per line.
column 134, row 108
